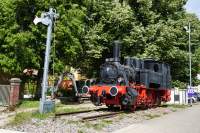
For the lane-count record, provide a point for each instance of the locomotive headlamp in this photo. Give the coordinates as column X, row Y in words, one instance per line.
column 113, row 91
column 85, row 89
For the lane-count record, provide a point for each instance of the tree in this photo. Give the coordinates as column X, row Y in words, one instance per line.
column 85, row 30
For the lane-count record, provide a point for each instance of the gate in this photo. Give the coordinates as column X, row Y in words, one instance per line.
column 4, row 95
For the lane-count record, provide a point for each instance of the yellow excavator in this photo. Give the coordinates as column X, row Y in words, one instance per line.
column 67, row 89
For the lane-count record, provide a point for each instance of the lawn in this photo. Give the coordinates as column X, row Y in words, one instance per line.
column 28, row 104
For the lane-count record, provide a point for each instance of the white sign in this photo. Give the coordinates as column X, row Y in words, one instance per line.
column 198, row 76
column 191, row 91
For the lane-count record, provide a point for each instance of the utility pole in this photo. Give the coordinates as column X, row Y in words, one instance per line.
column 188, row 29
column 190, row 55
column 47, row 18
column 190, row 60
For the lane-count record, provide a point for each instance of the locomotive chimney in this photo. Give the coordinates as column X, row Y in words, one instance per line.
column 116, row 51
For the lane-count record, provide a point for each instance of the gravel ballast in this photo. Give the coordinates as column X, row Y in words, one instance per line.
column 72, row 123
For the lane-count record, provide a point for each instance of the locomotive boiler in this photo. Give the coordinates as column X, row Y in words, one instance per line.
column 134, row 83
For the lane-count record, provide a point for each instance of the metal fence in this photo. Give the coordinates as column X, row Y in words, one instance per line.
column 4, row 95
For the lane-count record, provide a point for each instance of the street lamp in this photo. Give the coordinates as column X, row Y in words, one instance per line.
column 47, row 18
column 188, row 29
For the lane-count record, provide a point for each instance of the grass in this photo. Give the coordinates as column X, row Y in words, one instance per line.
column 37, row 115
column 25, row 116
column 73, row 122
column 60, row 105
column 173, row 110
column 29, row 104
column 67, row 110
column 99, row 125
column 22, row 117
column 152, row 116
column 60, row 109
column 176, row 105
column 107, row 121
column 80, row 131
column 165, row 113
column 102, row 124
column 88, row 124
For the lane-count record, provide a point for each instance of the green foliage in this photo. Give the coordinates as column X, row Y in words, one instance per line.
column 179, row 84
column 85, row 30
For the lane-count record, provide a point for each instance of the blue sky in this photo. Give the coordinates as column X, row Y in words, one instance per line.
column 193, row 6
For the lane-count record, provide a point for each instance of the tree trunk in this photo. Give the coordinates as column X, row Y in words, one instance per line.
column 38, row 92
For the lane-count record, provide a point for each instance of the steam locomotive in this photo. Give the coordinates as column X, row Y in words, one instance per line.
column 134, row 83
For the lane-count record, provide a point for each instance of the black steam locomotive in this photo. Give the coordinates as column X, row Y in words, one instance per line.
column 136, row 82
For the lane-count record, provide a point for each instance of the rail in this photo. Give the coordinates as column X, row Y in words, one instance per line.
column 108, row 115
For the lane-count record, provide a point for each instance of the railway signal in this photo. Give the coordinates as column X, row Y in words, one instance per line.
column 47, row 18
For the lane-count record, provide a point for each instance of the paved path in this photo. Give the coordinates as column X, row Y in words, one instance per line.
column 186, row 121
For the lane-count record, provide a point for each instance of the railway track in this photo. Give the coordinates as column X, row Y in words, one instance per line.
column 100, row 116
column 91, row 117
column 71, row 113
column 79, row 112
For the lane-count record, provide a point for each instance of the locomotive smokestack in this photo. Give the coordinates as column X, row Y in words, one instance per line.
column 116, row 51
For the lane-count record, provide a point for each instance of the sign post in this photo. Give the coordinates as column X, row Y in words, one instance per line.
column 190, row 92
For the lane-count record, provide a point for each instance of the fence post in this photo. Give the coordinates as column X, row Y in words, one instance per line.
column 14, row 91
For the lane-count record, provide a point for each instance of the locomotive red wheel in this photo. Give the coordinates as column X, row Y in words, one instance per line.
column 130, row 108
column 133, row 108
column 110, row 107
column 150, row 105
column 158, row 101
